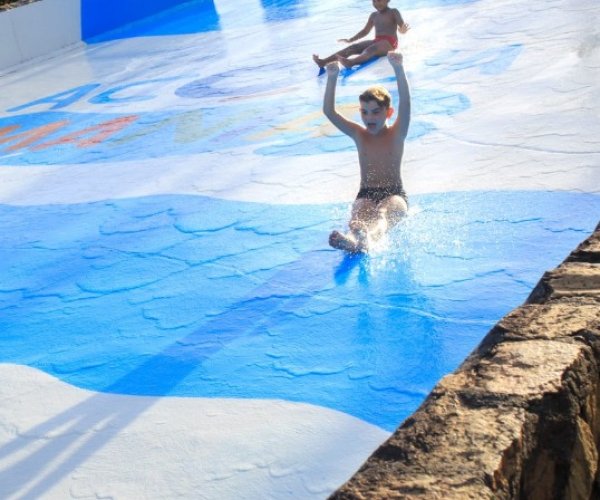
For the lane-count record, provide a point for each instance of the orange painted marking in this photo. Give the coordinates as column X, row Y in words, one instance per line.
column 29, row 136
column 7, row 130
column 98, row 133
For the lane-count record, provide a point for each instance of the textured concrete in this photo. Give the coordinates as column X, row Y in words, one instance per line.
column 519, row 418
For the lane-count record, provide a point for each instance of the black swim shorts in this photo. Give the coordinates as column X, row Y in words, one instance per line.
column 377, row 194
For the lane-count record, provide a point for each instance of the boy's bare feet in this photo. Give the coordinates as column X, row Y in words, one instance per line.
column 344, row 61
column 318, row 60
column 342, row 242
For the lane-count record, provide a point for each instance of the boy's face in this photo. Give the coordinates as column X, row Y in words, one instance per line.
column 380, row 4
column 374, row 115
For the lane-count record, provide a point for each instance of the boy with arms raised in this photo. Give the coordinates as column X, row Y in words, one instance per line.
column 385, row 21
column 381, row 201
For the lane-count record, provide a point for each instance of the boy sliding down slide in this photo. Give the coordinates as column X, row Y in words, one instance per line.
column 381, row 201
column 386, row 21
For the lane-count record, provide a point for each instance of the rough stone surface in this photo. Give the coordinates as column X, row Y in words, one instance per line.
column 11, row 4
column 520, row 418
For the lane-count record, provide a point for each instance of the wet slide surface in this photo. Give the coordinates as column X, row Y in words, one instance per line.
column 173, row 322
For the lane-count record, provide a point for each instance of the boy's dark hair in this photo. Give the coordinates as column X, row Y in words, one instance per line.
column 379, row 94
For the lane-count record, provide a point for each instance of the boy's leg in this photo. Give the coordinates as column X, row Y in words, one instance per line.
column 342, row 241
column 389, row 212
column 369, row 221
column 364, row 213
column 393, row 208
column 350, row 50
column 355, row 240
column 373, row 220
column 374, row 49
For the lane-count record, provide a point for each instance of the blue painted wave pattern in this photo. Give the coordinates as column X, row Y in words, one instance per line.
column 192, row 296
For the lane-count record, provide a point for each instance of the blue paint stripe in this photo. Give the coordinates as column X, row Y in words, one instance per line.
column 101, row 17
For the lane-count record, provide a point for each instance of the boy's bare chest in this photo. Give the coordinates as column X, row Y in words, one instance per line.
column 378, row 150
column 384, row 21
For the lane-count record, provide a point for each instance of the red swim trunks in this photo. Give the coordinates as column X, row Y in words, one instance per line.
column 392, row 40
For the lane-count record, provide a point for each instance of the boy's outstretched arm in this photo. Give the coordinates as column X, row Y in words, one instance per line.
column 346, row 126
column 402, row 26
column 361, row 34
column 403, row 118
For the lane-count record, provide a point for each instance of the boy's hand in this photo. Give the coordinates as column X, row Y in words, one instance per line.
column 395, row 59
column 333, row 69
column 404, row 28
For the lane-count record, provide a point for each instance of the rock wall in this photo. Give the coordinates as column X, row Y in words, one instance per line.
column 520, row 418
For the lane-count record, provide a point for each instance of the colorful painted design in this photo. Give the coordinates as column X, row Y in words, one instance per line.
column 86, row 137
column 232, row 115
